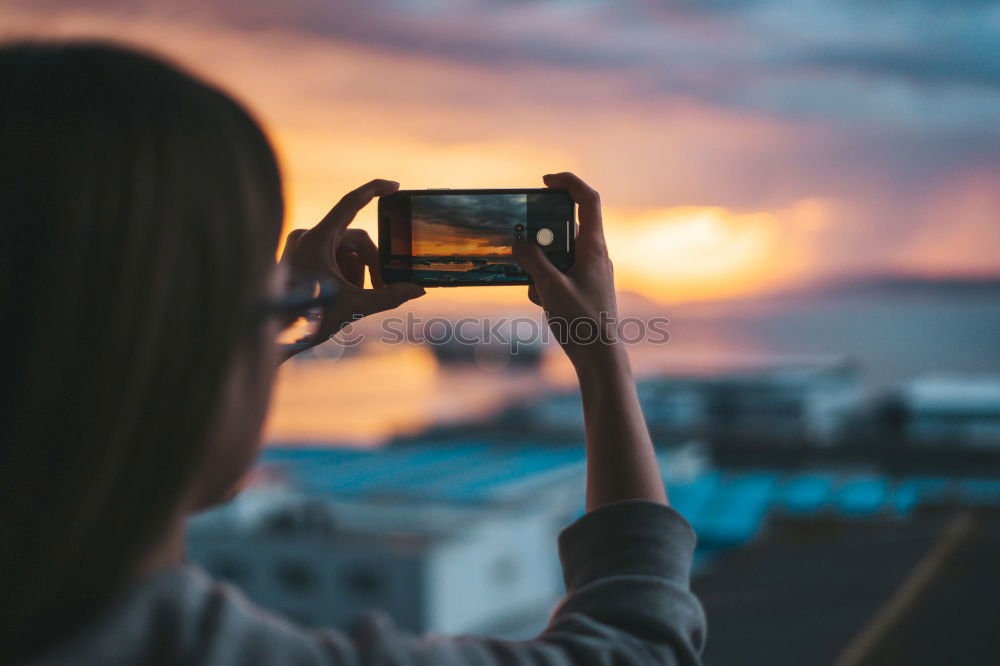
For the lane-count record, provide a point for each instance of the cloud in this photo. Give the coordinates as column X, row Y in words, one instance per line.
column 920, row 67
column 885, row 111
column 485, row 222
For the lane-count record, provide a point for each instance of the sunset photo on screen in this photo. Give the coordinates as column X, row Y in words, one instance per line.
column 466, row 237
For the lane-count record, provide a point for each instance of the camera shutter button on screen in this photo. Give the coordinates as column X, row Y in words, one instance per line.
column 545, row 236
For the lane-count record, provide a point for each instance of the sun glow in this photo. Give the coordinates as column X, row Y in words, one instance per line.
column 691, row 253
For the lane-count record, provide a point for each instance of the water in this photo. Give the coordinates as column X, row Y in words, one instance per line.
column 892, row 339
column 458, row 267
column 368, row 398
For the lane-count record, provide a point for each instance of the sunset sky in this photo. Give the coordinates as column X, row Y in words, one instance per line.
column 464, row 224
column 737, row 146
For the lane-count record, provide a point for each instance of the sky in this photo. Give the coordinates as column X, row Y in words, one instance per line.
column 738, row 146
column 465, row 224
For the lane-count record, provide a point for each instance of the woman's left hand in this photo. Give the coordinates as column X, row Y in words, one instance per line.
column 332, row 252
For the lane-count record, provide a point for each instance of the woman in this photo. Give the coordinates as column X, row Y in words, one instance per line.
column 140, row 210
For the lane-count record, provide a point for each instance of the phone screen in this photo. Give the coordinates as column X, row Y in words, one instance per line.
column 464, row 237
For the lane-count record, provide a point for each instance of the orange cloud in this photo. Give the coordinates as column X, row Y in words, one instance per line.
column 690, row 253
column 704, row 201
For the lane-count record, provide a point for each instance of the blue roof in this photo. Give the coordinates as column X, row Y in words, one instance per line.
column 469, row 472
column 863, row 496
column 979, row 491
column 725, row 508
column 690, row 499
column 806, row 493
column 737, row 510
column 905, row 498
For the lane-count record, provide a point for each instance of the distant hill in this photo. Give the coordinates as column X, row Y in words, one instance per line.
column 859, row 288
column 901, row 285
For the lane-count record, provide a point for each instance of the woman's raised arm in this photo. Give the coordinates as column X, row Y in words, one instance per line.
column 582, row 312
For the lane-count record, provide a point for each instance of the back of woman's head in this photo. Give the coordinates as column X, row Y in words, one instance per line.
column 139, row 214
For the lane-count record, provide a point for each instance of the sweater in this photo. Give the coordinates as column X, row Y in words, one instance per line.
column 626, row 567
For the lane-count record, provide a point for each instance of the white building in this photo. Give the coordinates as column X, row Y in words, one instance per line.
column 796, row 401
column 444, row 569
column 773, row 400
column 452, row 538
column 951, row 410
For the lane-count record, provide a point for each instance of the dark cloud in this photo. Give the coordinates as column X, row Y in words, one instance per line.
column 878, row 102
column 675, row 8
column 894, row 38
column 924, row 67
column 488, row 219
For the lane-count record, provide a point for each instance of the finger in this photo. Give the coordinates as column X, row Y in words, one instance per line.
column 533, row 296
column 291, row 242
column 352, row 267
column 361, row 243
column 588, row 200
column 536, row 264
column 379, row 300
column 347, row 208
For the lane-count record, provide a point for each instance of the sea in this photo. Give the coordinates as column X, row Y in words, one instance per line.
column 365, row 396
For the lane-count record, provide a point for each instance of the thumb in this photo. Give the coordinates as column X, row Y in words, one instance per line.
column 291, row 242
column 535, row 263
column 387, row 298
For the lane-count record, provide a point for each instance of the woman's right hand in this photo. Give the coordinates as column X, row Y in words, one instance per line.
column 580, row 304
column 621, row 463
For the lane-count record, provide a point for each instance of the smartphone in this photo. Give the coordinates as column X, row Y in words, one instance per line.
column 455, row 238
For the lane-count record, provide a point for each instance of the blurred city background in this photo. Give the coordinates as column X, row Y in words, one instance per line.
column 807, row 191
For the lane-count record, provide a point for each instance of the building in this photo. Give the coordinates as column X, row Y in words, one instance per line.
column 771, row 402
column 447, row 538
column 950, row 411
column 461, row 537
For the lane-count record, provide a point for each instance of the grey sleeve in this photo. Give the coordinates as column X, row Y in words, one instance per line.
column 628, row 602
column 626, row 568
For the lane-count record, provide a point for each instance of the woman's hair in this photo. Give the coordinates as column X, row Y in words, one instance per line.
column 140, row 210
